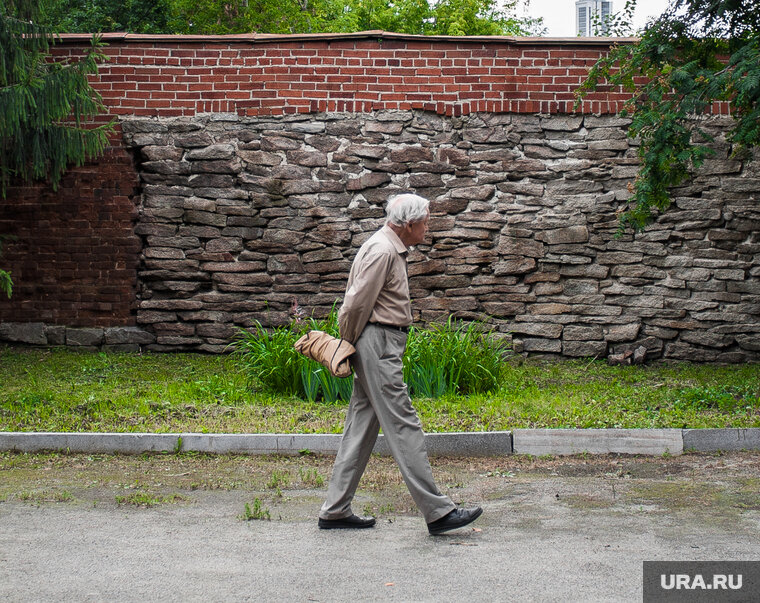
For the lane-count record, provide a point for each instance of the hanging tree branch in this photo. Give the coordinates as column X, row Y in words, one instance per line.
column 697, row 53
column 46, row 105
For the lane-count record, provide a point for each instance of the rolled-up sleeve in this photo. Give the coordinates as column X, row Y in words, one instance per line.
column 368, row 280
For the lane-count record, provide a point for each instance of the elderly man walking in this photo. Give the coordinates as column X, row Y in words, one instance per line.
column 375, row 318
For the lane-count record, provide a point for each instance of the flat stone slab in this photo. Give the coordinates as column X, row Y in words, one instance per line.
column 95, row 443
column 259, row 443
column 597, row 441
column 476, row 443
column 712, row 440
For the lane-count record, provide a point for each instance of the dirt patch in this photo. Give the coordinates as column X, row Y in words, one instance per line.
column 291, row 486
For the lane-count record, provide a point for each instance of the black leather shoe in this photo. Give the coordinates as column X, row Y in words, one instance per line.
column 350, row 522
column 456, row 519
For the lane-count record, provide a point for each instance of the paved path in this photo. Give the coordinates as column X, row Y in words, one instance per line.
column 554, row 530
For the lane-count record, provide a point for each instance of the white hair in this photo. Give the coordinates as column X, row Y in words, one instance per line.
column 405, row 208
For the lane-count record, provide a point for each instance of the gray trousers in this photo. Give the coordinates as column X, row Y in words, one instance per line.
column 380, row 399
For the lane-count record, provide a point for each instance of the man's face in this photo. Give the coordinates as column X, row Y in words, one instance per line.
column 418, row 230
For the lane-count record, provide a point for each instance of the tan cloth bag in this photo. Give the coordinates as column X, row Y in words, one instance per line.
column 329, row 351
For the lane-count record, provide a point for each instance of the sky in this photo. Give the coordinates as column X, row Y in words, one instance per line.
column 559, row 15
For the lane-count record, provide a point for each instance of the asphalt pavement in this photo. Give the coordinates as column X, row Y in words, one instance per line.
column 553, row 529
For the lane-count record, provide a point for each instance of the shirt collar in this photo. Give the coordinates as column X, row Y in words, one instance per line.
column 393, row 238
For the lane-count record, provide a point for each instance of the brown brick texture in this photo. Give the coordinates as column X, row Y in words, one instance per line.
column 73, row 253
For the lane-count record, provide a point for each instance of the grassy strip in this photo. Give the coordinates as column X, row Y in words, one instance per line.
column 64, row 390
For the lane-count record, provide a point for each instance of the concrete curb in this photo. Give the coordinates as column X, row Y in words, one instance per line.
column 492, row 443
column 709, row 440
column 95, row 443
column 597, row 441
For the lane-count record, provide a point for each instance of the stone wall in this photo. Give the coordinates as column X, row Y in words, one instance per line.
column 251, row 168
column 242, row 216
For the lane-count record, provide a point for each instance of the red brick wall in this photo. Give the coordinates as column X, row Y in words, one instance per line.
column 74, row 257
column 252, row 75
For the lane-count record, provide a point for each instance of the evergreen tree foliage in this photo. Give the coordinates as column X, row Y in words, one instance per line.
column 45, row 104
column 696, row 53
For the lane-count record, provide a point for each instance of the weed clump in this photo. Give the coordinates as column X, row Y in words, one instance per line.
column 256, row 512
column 453, row 357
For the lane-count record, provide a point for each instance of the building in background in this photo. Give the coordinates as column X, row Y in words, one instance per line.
column 591, row 17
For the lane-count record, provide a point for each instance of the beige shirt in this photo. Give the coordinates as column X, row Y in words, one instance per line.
column 378, row 286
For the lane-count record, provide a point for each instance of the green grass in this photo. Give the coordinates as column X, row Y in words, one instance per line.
column 65, row 390
column 257, row 512
column 40, row 496
column 268, row 357
column 453, row 358
column 146, row 499
column 447, row 358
